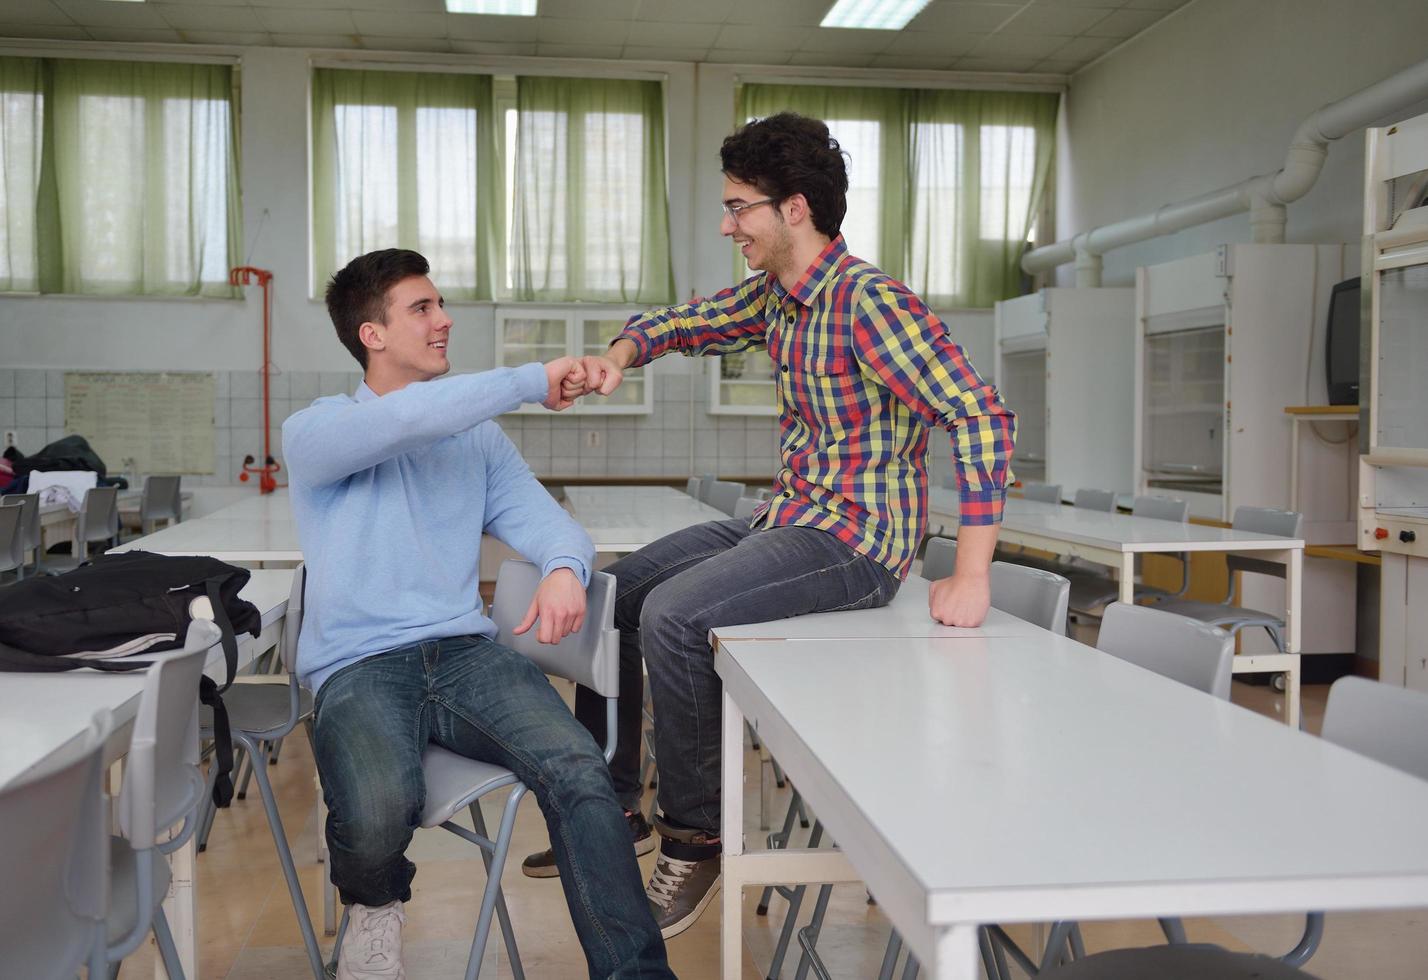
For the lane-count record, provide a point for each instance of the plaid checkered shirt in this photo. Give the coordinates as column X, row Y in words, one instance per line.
column 863, row 370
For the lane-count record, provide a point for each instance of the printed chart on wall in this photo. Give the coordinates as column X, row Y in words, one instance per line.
column 161, row 421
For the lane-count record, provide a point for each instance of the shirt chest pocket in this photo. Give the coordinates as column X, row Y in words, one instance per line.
column 827, row 393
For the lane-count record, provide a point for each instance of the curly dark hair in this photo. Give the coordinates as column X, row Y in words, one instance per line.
column 358, row 293
column 787, row 154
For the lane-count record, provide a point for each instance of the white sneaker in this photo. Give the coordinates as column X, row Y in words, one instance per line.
column 372, row 946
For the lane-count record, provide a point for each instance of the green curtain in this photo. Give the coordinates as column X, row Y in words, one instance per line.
column 406, row 160
column 944, row 185
column 136, row 187
column 21, row 123
column 591, row 215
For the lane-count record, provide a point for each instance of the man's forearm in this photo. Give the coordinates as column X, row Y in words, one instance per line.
column 975, row 545
column 623, row 352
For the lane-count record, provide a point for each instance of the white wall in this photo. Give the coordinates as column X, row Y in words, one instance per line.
column 1211, row 95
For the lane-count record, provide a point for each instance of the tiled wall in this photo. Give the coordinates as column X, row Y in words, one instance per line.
column 680, row 437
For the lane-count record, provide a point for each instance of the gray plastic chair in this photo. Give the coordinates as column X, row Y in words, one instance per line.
column 162, row 500
column 693, row 486
column 53, row 851
column 745, row 507
column 723, row 495
column 1046, row 493
column 455, row 783
column 1178, row 647
column 162, row 787
column 706, row 483
column 1177, row 962
column 1090, row 499
column 29, row 523
column 1225, row 614
column 1381, row 721
column 12, row 539
column 1092, row 589
column 1032, row 594
column 98, row 523
column 260, row 715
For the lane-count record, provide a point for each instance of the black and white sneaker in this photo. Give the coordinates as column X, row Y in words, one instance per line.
column 543, row 865
column 680, row 890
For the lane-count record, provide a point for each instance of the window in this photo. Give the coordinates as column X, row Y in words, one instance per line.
column 529, row 333
column 743, row 384
column 137, row 193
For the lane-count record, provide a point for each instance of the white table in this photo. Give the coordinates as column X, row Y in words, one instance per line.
column 233, row 539
column 58, row 521
column 39, row 713
column 1037, row 779
column 621, row 519
column 1115, row 540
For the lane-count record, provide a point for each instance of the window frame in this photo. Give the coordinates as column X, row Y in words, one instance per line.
column 575, row 317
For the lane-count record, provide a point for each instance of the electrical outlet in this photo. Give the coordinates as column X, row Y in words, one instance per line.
column 10, row 438
column 592, row 438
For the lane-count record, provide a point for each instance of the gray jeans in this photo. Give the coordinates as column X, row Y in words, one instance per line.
column 668, row 596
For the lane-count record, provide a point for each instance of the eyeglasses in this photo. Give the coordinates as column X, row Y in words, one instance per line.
column 734, row 210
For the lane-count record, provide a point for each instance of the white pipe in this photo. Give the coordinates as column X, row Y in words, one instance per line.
column 1265, row 195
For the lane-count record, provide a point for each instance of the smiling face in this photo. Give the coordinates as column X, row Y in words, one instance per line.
column 760, row 232
column 411, row 344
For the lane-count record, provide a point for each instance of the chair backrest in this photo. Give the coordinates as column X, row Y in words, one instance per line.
column 162, row 782
column 30, row 522
column 589, row 656
column 692, row 486
column 162, row 499
column 1178, row 647
column 1161, row 509
column 1088, row 498
column 1046, row 493
column 724, row 495
column 745, row 506
column 99, row 517
column 1381, row 721
column 1263, row 520
column 1031, row 594
column 12, row 536
column 706, row 483
column 764, row 493
column 292, row 619
column 55, row 851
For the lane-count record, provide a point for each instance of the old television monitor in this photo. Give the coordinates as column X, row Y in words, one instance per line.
column 1341, row 352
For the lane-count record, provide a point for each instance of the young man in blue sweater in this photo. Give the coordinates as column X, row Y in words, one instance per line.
column 391, row 489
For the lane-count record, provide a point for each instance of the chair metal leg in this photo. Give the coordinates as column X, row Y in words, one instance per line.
column 911, row 968
column 167, row 951
column 478, row 821
column 337, row 944
column 244, row 770
column 795, row 901
column 808, row 938
column 779, row 780
column 489, row 898
column 285, row 858
column 776, row 841
column 890, row 956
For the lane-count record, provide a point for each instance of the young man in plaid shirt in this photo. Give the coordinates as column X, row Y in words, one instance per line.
column 864, row 372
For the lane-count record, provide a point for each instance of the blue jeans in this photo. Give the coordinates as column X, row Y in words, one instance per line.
column 475, row 697
column 668, row 596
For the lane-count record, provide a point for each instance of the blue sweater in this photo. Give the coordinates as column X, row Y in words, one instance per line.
column 391, row 495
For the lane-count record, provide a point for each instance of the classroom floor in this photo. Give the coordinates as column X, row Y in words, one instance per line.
column 247, row 930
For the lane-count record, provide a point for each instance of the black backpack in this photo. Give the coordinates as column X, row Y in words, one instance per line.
column 115, row 607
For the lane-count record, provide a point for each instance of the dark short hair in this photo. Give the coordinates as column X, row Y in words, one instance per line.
column 788, row 154
column 358, row 293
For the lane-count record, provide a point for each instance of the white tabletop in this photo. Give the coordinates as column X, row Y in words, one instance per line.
column 1114, row 531
column 39, row 713
column 906, row 616
column 626, row 518
column 1037, row 779
column 259, row 507
column 225, row 538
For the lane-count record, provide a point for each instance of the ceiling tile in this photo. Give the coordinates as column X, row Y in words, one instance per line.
column 1066, row 21
column 100, row 13
column 655, row 52
column 837, row 39
column 586, row 9
column 37, row 12
column 379, row 42
column 784, row 13
column 186, row 17
column 980, row 18
column 746, row 56
column 307, row 21
column 1004, row 64
column 760, row 39
column 53, row 32
column 927, row 45
column 923, row 62
column 599, row 32
column 1166, row 5
column 829, row 59
column 316, row 40
column 1084, row 49
column 475, row 27
column 239, row 38
column 385, row 24
column 606, row 51
column 130, row 35
column 1059, row 66
column 1019, row 46
column 1124, row 23
column 685, row 11
column 674, row 35
column 513, row 49
column 1079, row 3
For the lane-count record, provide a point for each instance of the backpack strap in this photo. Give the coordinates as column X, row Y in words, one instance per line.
column 211, row 694
column 220, row 616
